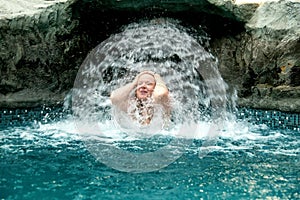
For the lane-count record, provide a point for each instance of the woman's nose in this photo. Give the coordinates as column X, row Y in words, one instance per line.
column 143, row 84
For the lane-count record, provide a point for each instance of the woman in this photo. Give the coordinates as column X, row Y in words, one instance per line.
column 143, row 97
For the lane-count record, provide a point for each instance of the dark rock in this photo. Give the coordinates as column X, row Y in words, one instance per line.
column 43, row 44
column 295, row 76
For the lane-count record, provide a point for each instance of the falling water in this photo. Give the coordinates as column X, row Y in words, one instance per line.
column 53, row 159
column 198, row 92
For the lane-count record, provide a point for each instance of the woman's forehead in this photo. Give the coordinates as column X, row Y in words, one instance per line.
column 147, row 77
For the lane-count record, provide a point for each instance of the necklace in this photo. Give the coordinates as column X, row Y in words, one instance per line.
column 141, row 110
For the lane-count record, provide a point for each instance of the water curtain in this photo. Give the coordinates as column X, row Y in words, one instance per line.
column 197, row 90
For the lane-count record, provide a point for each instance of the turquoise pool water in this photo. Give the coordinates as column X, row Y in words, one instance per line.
column 255, row 157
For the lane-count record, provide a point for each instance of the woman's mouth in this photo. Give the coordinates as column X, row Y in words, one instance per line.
column 144, row 92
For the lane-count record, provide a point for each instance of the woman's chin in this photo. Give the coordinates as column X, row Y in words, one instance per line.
column 142, row 97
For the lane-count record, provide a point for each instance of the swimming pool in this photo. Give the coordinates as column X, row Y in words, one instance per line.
column 255, row 157
column 45, row 153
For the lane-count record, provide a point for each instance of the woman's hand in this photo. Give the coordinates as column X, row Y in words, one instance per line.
column 160, row 91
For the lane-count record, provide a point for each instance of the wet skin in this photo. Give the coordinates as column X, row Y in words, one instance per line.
column 145, row 86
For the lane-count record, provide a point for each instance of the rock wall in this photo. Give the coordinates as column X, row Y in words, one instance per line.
column 43, row 43
column 263, row 62
column 39, row 50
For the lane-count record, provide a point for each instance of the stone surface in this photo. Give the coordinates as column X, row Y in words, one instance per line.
column 38, row 51
column 43, row 43
column 15, row 8
column 242, row 10
column 282, row 98
column 265, row 57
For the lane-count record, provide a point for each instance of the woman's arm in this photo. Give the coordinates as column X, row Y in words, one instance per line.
column 120, row 96
column 161, row 93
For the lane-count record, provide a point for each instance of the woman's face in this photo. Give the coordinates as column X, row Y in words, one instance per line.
column 145, row 86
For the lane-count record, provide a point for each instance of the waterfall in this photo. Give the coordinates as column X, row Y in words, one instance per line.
column 196, row 87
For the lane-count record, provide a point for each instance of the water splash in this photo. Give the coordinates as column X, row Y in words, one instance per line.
column 163, row 46
column 197, row 90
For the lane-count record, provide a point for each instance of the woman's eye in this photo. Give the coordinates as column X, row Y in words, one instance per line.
column 150, row 84
column 146, row 83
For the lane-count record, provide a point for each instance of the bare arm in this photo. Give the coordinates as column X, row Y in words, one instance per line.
column 161, row 94
column 120, row 96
